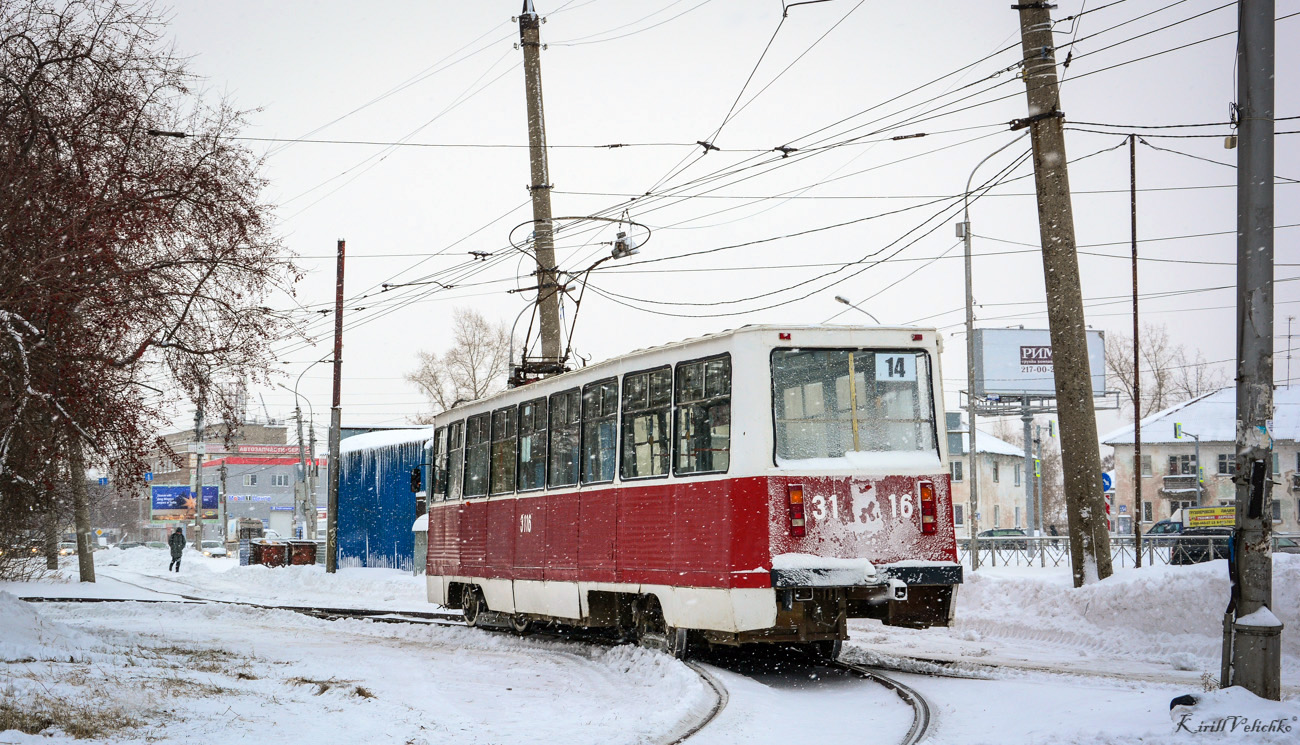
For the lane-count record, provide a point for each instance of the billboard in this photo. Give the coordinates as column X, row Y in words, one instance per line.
column 177, row 502
column 1011, row 362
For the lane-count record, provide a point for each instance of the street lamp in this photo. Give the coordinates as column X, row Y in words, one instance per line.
column 304, row 496
column 842, row 299
column 963, row 232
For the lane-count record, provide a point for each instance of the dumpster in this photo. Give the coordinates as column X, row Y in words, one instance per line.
column 268, row 553
column 302, row 552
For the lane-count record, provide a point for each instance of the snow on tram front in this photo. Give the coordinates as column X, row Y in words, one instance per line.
column 761, row 485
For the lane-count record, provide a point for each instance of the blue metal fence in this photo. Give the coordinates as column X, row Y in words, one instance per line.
column 376, row 506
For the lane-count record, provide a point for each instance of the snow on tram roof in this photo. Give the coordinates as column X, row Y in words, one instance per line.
column 746, row 329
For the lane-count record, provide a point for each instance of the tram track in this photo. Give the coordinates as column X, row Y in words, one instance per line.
column 917, row 731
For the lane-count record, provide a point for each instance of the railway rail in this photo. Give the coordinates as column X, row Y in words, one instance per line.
column 921, row 714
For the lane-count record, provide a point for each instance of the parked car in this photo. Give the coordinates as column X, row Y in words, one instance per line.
column 129, row 544
column 1195, row 545
column 1163, row 533
column 156, row 544
column 67, row 548
column 1283, row 545
column 1002, row 538
column 214, row 548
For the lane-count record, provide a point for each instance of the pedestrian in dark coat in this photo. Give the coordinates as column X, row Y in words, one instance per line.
column 177, row 543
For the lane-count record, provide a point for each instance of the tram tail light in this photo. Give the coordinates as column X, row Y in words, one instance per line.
column 928, row 509
column 795, row 494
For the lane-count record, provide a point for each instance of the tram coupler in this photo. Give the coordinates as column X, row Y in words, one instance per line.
column 897, row 590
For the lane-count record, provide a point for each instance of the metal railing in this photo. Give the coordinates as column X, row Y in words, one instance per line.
column 1054, row 551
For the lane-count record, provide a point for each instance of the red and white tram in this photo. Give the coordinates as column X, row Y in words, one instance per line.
column 757, row 485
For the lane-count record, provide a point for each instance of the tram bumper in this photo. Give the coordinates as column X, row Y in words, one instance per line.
column 914, row 594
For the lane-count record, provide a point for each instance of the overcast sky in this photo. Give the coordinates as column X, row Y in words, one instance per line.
column 660, row 75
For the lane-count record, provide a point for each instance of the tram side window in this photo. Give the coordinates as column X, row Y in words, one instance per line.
column 647, row 401
column 565, row 419
column 455, row 460
column 532, row 444
column 832, row 401
column 704, row 416
column 599, row 410
column 504, row 430
column 438, row 466
column 478, row 455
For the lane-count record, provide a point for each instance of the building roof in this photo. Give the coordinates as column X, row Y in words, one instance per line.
column 1212, row 417
column 989, row 444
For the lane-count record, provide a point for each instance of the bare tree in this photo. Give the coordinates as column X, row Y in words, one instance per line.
column 1170, row 375
column 476, row 365
column 135, row 249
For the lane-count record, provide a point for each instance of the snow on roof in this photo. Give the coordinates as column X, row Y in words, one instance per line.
column 987, row 443
column 1212, row 417
column 385, row 438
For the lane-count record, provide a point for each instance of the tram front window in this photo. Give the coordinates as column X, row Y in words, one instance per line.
column 829, row 402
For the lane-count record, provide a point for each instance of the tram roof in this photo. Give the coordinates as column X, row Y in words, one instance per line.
column 696, row 340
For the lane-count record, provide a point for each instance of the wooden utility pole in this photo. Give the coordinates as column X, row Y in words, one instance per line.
column 548, row 299
column 1081, row 463
column 336, row 426
column 1137, row 360
column 1257, row 634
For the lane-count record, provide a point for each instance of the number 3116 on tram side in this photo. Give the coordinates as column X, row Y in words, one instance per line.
column 758, row 485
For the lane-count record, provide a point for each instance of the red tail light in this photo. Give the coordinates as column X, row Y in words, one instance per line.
column 928, row 510
column 795, row 494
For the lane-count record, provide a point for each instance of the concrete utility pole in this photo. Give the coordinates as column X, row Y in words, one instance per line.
column 223, row 530
column 200, row 446
column 548, row 299
column 336, row 426
column 1027, row 417
column 1137, row 359
column 311, row 478
column 973, row 476
column 300, row 483
column 1081, row 463
column 1256, row 643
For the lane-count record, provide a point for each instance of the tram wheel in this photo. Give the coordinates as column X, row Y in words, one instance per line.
column 521, row 624
column 828, row 650
column 474, row 606
column 653, row 632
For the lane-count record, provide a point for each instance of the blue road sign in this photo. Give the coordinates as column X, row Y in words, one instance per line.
column 148, row 476
column 1106, row 483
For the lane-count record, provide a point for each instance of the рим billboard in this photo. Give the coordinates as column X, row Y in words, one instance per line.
column 177, row 503
column 1012, row 362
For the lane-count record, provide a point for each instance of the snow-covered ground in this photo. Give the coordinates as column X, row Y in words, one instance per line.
column 1042, row 662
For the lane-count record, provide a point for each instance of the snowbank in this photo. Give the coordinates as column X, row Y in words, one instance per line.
column 1166, row 612
column 223, row 578
column 26, row 635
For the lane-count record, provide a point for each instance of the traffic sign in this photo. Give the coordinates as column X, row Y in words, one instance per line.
column 103, row 481
column 1106, row 483
column 148, row 476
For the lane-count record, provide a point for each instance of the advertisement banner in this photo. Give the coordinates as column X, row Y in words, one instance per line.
column 177, row 502
column 1210, row 517
column 267, row 449
column 1009, row 362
